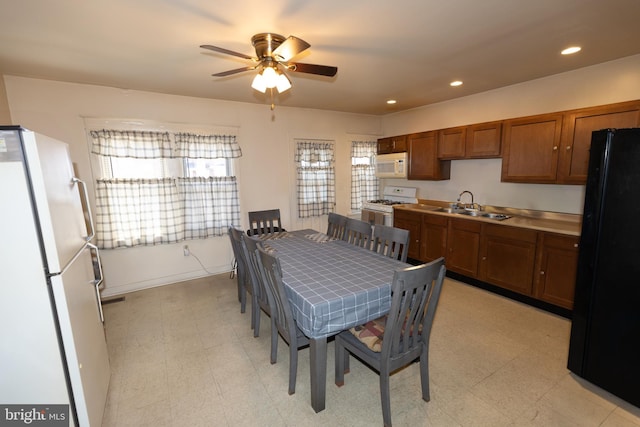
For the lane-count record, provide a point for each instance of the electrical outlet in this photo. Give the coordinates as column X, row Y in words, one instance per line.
column 185, row 250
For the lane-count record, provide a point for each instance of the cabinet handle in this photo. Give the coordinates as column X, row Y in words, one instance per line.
column 568, row 147
column 484, row 258
column 541, row 272
column 575, row 245
column 555, row 148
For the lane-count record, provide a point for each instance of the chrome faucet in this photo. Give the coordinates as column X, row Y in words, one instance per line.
column 465, row 205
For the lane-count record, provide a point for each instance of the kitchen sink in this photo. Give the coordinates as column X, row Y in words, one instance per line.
column 476, row 213
column 490, row 215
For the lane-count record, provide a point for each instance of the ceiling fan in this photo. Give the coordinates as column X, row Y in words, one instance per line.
column 273, row 55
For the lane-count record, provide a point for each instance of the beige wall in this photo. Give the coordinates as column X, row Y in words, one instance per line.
column 606, row 83
column 5, row 116
column 266, row 173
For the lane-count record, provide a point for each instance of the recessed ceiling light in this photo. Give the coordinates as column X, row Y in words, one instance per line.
column 391, row 101
column 456, row 83
column 571, row 50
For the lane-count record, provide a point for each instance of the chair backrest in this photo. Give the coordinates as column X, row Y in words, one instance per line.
column 249, row 247
column 337, row 225
column 358, row 233
column 281, row 313
column 391, row 242
column 264, row 222
column 235, row 236
column 416, row 291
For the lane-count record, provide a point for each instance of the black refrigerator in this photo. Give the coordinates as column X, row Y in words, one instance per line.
column 605, row 332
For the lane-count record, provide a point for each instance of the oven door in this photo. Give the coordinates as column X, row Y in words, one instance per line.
column 377, row 217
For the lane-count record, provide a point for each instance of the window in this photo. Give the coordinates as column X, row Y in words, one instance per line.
column 364, row 184
column 163, row 187
column 315, row 178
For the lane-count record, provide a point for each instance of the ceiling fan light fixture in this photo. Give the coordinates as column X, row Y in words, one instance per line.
column 270, row 76
column 283, row 83
column 259, row 83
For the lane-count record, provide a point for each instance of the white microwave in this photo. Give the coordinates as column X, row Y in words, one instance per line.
column 392, row 165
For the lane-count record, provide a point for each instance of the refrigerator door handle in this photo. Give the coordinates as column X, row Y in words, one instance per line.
column 85, row 195
column 98, row 280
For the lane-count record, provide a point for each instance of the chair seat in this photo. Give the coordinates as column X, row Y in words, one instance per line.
column 371, row 333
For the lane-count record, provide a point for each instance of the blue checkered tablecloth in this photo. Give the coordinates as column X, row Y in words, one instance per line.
column 332, row 285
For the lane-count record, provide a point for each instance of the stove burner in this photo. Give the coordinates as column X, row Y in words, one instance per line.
column 385, row 202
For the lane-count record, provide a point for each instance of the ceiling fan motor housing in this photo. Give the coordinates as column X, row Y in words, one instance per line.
column 266, row 43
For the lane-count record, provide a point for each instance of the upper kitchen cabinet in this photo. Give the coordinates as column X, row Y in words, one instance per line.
column 392, row 144
column 424, row 164
column 451, row 143
column 576, row 136
column 476, row 141
column 483, row 140
column 530, row 148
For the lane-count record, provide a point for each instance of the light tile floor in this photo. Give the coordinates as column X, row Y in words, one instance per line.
column 184, row 355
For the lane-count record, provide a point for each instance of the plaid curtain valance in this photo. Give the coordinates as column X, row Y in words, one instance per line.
column 207, row 146
column 156, row 145
column 136, row 144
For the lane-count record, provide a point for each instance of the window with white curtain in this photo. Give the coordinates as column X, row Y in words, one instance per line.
column 315, row 177
column 364, row 183
column 163, row 187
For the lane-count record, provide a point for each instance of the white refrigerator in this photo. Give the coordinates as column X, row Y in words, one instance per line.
column 53, row 348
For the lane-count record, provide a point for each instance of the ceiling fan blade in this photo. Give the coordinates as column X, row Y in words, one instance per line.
column 227, row 51
column 323, row 70
column 234, row 71
column 289, row 48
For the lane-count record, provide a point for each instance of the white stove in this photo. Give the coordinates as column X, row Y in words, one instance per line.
column 380, row 211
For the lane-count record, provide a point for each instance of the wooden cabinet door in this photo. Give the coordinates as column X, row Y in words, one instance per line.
column 483, row 140
column 508, row 257
column 451, row 143
column 409, row 221
column 423, row 158
column 392, row 144
column 576, row 136
column 556, row 267
column 385, row 145
column 463, row 245
column 531, row 148
column 433, row 240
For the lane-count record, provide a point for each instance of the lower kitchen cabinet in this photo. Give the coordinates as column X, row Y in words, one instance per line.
column 508, row 256
column 537, row 264
column 556, row 268
column 409, row 221
column 463, row 245
column 433, row 237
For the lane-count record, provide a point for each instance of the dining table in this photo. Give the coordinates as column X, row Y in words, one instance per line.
column 332, row 286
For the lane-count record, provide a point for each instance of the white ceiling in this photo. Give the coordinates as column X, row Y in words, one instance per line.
column 406, row 50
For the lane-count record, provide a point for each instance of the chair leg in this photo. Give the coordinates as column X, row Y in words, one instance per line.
column 293, row 367
column 242, row 296
column 342, row 361
column 385, row 397
column 256, row 317
column 274, row 341
column 424, row 376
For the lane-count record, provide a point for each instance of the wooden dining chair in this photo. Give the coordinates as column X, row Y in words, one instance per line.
column 264, row 222
column 391, row 242
column 259, row 300
column 242, row 276
column 281, row 315
column 399, row 338
column 337, row 225
column 358, row 233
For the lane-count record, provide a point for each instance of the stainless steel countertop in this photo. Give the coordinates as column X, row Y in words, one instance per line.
column 555, row 222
